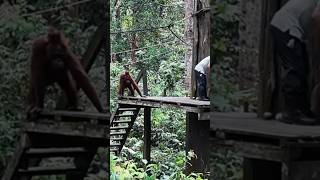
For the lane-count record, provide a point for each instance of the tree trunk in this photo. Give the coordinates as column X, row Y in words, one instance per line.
column 134, row 46
column 249, row 32
column 201, row 42
column 188, row 33
column 116, row 15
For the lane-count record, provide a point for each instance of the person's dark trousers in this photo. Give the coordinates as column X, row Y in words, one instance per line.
column 294, row 67
column 201, row 85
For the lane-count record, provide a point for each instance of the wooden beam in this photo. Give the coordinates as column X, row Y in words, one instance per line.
column 251, row 150
column 197, row 140
column 69, row 129
column 145, row 82
column 147, row 134
column 14, row 162
column 139, row 76
column 98, row 40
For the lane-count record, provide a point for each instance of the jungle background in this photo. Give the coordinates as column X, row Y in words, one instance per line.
column 235, row 78
column 167, row 56
column 20, row 24
column 155, row 35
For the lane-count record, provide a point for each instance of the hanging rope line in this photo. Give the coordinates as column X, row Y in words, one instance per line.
column 203, row 10
column 169, row 5
column 163, row 27
column 143, row 29
column 56, row 8
column 145, row 59
column 131, row 50
column 179, row 37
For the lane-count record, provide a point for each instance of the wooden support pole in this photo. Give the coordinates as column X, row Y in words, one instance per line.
column 145, row 82
column 197, row 139
column 147, row 134
column 83, row 163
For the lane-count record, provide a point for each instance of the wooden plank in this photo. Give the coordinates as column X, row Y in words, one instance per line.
column 55, row 152
column 147, row 134
column 251, row 150
column 119, row 127
column 205, row 116
column 69, row 129
column 189, row 105
column 249, row 124
column 34, row 171
column 124, row 115
column 127, row 109
column 187, row 101
column 121, row 121
column 76, row 114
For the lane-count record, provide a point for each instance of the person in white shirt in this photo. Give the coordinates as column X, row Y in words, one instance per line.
column 292, row 26
column 201, row 69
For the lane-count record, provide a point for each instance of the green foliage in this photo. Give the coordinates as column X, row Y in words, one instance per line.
column 225, row 48
column 17, row 34
column 127, row 170
column 226, row 165
column 164, row 60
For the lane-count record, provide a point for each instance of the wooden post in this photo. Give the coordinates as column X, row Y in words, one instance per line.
column 82, row 163
column 269, row 86
column 147, row 134
column 197, row 139
column 145, row 82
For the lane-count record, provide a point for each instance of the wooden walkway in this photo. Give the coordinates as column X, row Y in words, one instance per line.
column 63, row 134
column 249, row 124
column 197, row 125
column 186, row 103
column 271, row 149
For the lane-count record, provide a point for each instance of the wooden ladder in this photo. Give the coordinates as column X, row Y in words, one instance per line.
column 77, row 147
column 122, row 121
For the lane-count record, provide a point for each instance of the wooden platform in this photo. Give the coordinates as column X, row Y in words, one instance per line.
column 206, row 116
column 271, row 149
column 186, row 103
column 68, row 123
column 249, row 124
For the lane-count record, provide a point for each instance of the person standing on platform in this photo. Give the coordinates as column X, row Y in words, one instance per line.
column 201, row 69
column 291, row 27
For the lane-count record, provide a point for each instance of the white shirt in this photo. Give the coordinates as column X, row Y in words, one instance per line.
column 203, row 65
column 296, row 16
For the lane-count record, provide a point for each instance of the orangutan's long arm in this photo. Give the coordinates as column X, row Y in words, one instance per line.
column 83, row 81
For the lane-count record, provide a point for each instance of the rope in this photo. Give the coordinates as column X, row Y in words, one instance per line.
column 178, row 37
column 56, row 8
column 163, row 27
column 139, row 61
column 201, row 11
column 130, row 50
column 144, row 29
